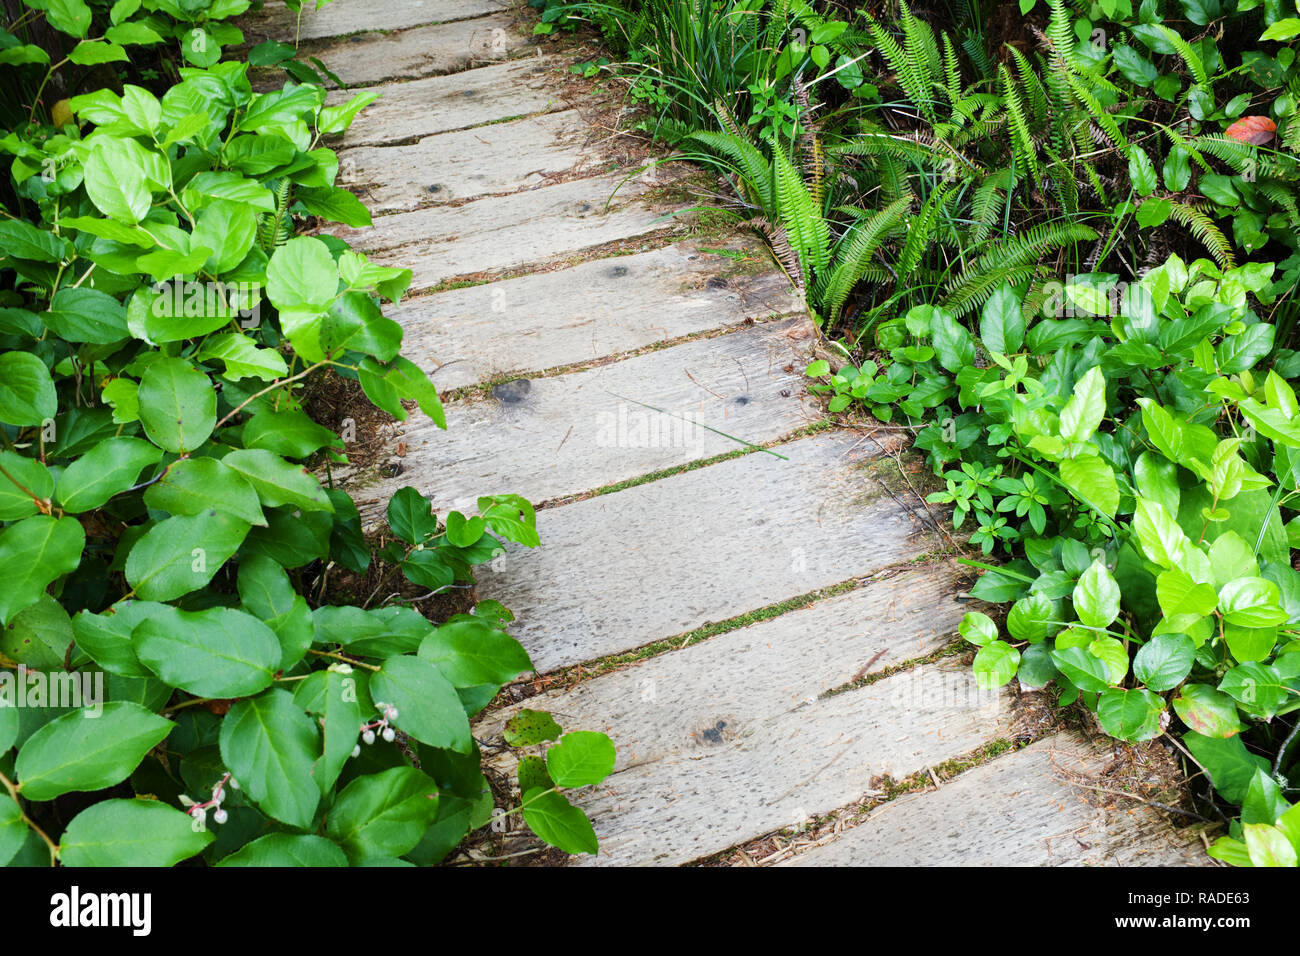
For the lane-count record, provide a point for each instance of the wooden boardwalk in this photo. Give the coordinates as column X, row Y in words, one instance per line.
column 620, row 367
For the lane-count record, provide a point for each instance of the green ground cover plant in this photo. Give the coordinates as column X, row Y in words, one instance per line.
column 1061, row 242
column 177, row 680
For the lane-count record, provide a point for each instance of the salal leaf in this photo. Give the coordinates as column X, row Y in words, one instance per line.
column 1207, row 711
column 22, row 478
column 1164, row 661
column 193, row 486
column 34, row 552
column 383, row 814
column 181, row 554
column 178, row 405
column 269, row 745
column 1096, row 596
column 108, row 469
column 218, row 652
column 81, row 751
column 1084, row 411
column 1092, row 481
column 581, row 758
column 27, row 395
column 470, row 652
column 336, row 697
column 130, row 833
column 428, row 707
column 995, row 664
column 278, row 482
column 287, row 849
column 558, row 822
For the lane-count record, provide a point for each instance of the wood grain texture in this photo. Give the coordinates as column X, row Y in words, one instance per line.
column 1018, row 810
column 343, row 17
column 588, row 312
column 508, row 232
column 453, row 167
column 624, row 570
column 439, row 104
column 370, row 58
column 781, row 771
column 549, row 438
column 683, row 700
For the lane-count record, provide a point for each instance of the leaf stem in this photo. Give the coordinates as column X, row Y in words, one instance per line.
column 13, row 793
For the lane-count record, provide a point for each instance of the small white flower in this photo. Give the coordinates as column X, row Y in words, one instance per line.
column 368, row 736
column 234, row 784
column 356, row 751
column 389, row 734
column 220, row 816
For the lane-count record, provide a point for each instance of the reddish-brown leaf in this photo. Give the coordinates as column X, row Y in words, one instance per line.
column 1252, row 129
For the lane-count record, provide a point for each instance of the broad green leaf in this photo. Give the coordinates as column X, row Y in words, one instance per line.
column 86, row 315
column 1164, row 661
column 289, row 433
column 34, row 552
column 469, row 653
column 287, row 849
column 130, row 833
column 1141, row 171
column 23, row 482
column 1002, row 323
column 1031, row 618
column 995, row 664
column 229, row 229
column 178, row 406
column 978, row 628
column 1257, row 687
column 1160, row 537
column 1096, row 596
column 387, row 386
column 243, row 358
column 559, row 822
column 270, row 745
column 428, row 707
column 410, row 516
column 277, row 481
column 269, row 595
column 1157, row 480
column 581, row 758
column 1251, row 602
column 108, row 469
column 952, row 343
column 79, row 751
column 218, row 652
column 68, row 16
column 1086, row 407
column 115, row 180
column 106, row 637
column 95, row 52
column 383, row 814
column 22, row 240
column 1231, row 767
column 182, row 553
column 1092, row 481
column 1132, row 715
column 1206, row 711
column 1084, row 670
column 193, row 486
column 1268, row 846
column 27, row 395
column 336, row 697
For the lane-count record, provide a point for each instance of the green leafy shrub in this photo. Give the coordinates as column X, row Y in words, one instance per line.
column 1136, row 462
column 174, row 681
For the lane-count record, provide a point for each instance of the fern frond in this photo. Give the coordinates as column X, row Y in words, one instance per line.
column 853, row 256
column 1011, row 261
column 1190, row 56
column 744, row 160
column 801, row 217
column 1203, row 228
column 275, row 228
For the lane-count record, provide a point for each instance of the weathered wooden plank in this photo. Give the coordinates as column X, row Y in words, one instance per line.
column 439, row 104
column 507, row 232
column 779, row 772
column 370, row 58
column 593, row 310
column 624, row 570
column 548, row 438
column 1019, row 810
column 682, row 700
column 343, row 17
column 453, row 167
